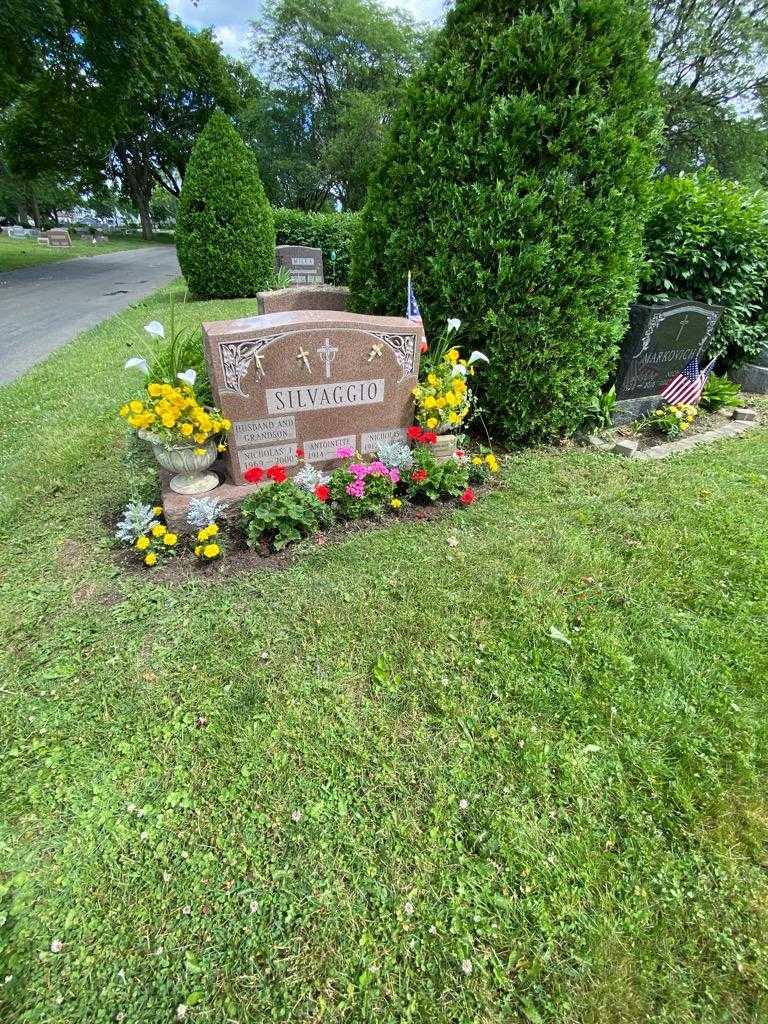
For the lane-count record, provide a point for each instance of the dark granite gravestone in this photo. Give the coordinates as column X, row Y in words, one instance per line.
column 661, row 340
column 753, row 376
column 304, row 264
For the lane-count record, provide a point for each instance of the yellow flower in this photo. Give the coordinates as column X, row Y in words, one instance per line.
column 430, row 402
column 452, row 355
column 221, row 447
column 200, row 437
column 432, row 422
column 199, row 451
column 186, row 429
column 142, row 543
column 157, row 510
column 453, row 417
column 154, row 390
column 440, row 402
column 684, row 426
column 159, row 530
column 213, row 529
column 150, row 559
column 170, row 539
column 124, row 410
column 225, row 423
column 476, row 460
column 395, row 503
column 211, row 550
column 136, row 406
column 203, row 534
column 169, row 421
column 432, row 380
column 492, row 463
column 198, row 549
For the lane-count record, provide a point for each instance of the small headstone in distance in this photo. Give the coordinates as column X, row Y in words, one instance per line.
column 626, row 447
column 745, row 415
column 303, row 263
column 661, row 340
column 59, row 238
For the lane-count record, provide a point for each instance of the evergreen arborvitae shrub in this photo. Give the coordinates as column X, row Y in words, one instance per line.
column 515, row 183
column 225, row 232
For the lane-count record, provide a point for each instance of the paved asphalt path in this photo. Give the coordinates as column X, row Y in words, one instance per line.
column 44, row 307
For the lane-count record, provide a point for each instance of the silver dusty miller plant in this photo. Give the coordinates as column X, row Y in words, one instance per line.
column 137, row 520
column 204, row 512
column 309, row 477
column 395, row 455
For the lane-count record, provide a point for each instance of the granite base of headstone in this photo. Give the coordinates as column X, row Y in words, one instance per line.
column 662, row 339
column 318, row 296
column 753, row 377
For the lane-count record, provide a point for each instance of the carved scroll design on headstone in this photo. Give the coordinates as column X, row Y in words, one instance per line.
column 237, row 356
column 404, row 348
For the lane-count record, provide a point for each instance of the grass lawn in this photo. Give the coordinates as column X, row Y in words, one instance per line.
column 375, row 787
column 17, row 254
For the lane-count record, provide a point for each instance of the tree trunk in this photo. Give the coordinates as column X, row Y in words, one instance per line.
column 34, row 210
column 142, row 202
column 134, row 177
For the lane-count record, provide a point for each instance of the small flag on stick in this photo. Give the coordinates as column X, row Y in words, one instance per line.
column 688, row 385
column 412, row 312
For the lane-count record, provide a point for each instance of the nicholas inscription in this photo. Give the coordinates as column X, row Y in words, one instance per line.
column 312, row 379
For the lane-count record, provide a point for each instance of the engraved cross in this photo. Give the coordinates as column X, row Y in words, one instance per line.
column 683, row 325
column 303, row 355
column 328, row 353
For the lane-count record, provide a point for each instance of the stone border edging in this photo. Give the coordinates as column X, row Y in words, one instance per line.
column 661, row 451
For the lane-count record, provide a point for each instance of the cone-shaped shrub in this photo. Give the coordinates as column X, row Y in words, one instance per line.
column 225, row 233
column 515, row 183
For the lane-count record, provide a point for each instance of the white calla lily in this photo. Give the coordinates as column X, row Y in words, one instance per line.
column 476, row 356
column 459, row 371
column 453, row 325
column 137, row 363
column 189, row 377
column 155, row 328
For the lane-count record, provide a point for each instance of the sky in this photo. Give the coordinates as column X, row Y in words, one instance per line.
column 230, row 17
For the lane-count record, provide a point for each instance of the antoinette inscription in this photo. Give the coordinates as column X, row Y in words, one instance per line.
column 315, row 380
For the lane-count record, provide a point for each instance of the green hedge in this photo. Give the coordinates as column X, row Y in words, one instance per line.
column 515, row 183
column 331, row 232
column 707, row 239
column 225, row 234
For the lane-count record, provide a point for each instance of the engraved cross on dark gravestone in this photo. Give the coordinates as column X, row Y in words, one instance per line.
column 661, row 340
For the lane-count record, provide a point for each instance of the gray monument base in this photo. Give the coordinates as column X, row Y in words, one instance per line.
column 627, row 410
column 309, row 296
column 752, row 377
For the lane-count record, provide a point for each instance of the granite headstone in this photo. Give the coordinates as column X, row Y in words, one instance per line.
column 304, row 264
column 661, row 340
column 58, row 238
column 315, row 380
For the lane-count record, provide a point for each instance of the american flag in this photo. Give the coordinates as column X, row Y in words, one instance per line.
column 687, row 386
column 412, row 312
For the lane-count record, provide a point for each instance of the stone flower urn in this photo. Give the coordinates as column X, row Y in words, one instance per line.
column 189, row 469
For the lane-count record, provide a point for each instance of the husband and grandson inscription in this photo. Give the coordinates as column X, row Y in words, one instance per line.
column 311, row 381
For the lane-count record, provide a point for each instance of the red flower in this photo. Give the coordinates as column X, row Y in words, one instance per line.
column 423, row 347
column 277, row 474
column 414, row 433
column 322, row 493
column 419, row 475
column 459, row 453
column 428, row 437
column 254, row 474
column 299, row 453
column 467, row 497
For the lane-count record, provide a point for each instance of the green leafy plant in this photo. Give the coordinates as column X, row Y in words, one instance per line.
column 279, row 514
column 514, row 183
column 225, row 233
column 670, row 420
column 707, row 239
column 331, row 232
column 431, row 480
column 720, row 393
column 362, row 489
column 598, row 412
column 281, row 279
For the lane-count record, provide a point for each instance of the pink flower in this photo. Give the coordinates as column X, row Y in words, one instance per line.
column 357, row 469
column 378, row 467
column 344, row 453
column 394, row 476
column 356, row 489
